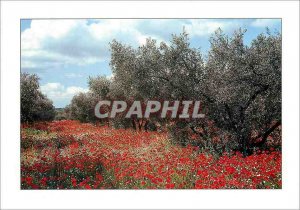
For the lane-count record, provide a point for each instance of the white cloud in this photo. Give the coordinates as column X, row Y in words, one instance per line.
column 110, row 77
column 163, row 29
column 264, row 22
column 74, row 90
column 203, row 27
column 51, row 87
column 41, row 29
column 53, row 43
column 59, row 93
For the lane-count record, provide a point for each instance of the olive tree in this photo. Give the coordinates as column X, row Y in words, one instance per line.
column 156, row 71
column 82, row 107
column 124, row 86
column 171, row 72
column 100, row 86
column 83, row 104
column 243, row 86
column 35, row 106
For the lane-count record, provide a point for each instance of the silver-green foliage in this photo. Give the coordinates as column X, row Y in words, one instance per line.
column 35, row 106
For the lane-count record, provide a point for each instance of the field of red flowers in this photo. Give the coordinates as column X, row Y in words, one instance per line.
column 72, row 155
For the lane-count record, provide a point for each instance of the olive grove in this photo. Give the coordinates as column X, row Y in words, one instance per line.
column 239, row 86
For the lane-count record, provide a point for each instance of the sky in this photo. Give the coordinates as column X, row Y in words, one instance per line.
column 65, row 52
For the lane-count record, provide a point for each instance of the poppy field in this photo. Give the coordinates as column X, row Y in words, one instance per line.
column 68, row 154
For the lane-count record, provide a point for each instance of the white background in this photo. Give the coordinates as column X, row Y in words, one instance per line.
column 13, row 197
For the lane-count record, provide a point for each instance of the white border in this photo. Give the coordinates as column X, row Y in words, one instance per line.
column 13, row 197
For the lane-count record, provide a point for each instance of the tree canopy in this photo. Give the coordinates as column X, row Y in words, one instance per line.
column 35, row 106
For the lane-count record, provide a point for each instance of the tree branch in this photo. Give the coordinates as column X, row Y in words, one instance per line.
column 264, row 135
column 254, row 96
column 196, row 132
